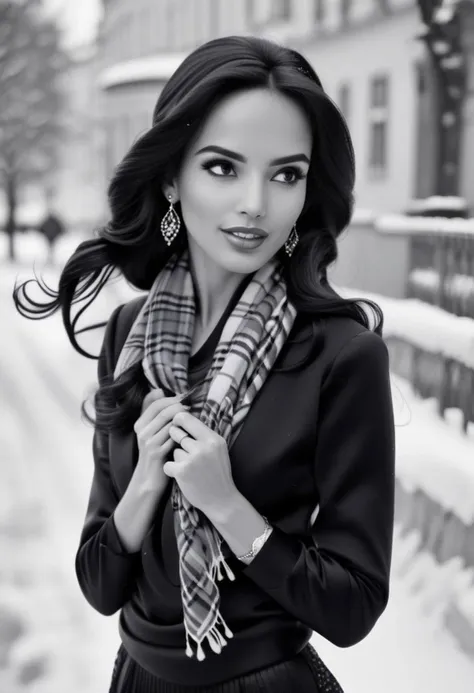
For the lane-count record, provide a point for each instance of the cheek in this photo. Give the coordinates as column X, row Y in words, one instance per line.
column 201, row 199
column 285, row 207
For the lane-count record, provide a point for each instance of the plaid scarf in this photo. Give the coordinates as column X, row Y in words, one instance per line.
column 252, row 337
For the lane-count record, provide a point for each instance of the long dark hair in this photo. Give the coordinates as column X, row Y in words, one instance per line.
column 131, row 242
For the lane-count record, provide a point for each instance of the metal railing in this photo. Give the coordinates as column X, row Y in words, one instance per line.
column 441, row 271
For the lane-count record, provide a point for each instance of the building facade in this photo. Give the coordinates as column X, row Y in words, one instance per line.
column 368, row 66
column 141, row 43
column 365, row 52
column 77, row 177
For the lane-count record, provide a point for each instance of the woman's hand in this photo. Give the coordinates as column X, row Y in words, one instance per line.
column 154, row 443
column 201, row 465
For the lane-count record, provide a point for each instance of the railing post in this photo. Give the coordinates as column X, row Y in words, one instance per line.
column 440, row 267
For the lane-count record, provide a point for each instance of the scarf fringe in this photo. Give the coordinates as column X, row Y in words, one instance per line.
column 218, row 560
column 215, row 640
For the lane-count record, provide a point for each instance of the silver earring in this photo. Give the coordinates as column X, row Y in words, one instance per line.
column 170, row 224
column 292, row 240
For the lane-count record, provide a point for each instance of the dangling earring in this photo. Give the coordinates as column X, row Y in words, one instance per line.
column 292, row 240
column 170, row 224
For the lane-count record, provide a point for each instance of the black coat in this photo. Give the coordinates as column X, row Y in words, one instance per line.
column 316, row 455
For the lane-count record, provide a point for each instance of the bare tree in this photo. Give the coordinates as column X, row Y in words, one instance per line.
column 31, row 101
column 443, row 37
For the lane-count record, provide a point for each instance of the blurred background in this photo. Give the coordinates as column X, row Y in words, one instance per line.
column 78, row 83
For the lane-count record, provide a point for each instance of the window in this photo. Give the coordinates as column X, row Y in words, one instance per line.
column 320, row 11
column 378, row 146
column 109, row 148
column 180, row 14
column 344, row 100
column 378, row 124
column 421, row 77
column 281, row 9
column 346, row 6
column 124, row 36
column 170, row 34
column 384, row 7
column 379, row 92
column 249, row 12
column 116, row 142
column 134, row 44
column 139, row 125
column 144, row 123
column 124, row 136
column 144, row 46
column 214, row 18
column 203, row 24
column 158, row 26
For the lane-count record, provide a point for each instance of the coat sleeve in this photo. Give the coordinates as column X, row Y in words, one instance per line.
column 104, row 570
column 335, row 579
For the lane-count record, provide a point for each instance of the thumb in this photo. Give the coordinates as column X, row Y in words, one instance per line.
column 152, row 396
column 168, row 469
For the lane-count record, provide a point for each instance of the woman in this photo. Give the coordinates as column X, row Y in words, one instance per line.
column 243, row 489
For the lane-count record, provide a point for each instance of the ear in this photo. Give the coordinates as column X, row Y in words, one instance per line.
column 170, row 189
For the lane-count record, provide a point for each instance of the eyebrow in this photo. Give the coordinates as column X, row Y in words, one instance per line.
column 239, row 157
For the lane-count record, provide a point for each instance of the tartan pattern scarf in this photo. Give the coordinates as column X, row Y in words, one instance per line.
column 252, row 337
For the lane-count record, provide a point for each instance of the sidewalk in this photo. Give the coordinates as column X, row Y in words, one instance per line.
column 45, row 474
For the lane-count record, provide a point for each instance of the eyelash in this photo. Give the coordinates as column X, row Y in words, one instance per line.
column 299, row 175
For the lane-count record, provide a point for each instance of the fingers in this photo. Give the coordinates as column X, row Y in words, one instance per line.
column 167, row 446
column 152, row 396
column 160, row 420
column 152, row 404
column 162, row 438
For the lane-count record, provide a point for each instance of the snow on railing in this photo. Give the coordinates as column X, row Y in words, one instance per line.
column 436, row 202
column 363, row 216
column 457, row 290
column 432, row 348
column 423, row 325
column 426, row 219
column 440, row 250
column 400, row 223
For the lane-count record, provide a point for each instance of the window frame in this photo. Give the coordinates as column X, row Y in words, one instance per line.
column 378, row 119
column 281, row 10
column 344, row 94
column 320, row 11
column 345, row 7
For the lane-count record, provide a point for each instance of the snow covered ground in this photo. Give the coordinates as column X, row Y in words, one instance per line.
column 45, row 473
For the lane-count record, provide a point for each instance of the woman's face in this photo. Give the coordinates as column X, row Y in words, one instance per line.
column 244, row 186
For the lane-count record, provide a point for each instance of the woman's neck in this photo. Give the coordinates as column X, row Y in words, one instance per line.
column 213, row 290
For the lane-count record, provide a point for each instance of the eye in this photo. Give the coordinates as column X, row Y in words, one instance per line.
column 293, row 171
column 216, row 163
column 223, row 164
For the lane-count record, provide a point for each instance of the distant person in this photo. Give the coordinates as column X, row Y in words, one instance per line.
column 52, row 228
column 244, row 458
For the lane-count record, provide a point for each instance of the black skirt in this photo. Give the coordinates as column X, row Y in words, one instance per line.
column 305, row 673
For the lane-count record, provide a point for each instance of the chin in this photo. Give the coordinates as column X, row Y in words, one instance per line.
column 244, row 263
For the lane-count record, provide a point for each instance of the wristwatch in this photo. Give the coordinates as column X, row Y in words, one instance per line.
column 257, row 543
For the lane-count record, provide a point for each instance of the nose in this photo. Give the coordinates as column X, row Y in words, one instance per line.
column 254, row 201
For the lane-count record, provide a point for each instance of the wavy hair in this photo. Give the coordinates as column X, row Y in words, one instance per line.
column 131, row 242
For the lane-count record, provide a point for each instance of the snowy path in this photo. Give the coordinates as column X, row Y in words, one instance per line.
column 47, row 459
column 47, row 467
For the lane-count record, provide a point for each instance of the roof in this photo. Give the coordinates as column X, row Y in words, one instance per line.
column 157, row 68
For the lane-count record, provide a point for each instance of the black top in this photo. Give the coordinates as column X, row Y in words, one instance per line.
column 200, row 362
column 316, row 455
